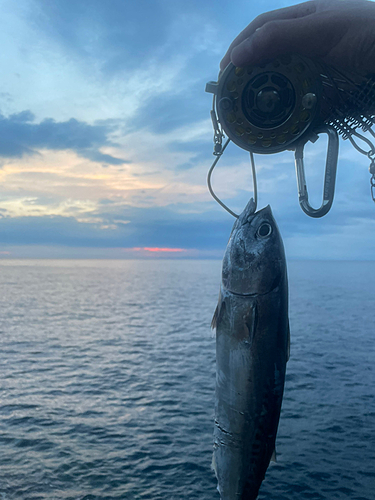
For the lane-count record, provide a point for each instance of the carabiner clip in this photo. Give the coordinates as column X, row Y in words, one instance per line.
column 329, row 176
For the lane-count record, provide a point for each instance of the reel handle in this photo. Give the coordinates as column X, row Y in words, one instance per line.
column 329, row 175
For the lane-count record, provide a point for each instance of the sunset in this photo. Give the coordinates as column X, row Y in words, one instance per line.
column 106, row 139
column 172, row 250
column 187, row 241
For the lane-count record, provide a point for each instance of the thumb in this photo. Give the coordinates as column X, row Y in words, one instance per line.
column 311, row 36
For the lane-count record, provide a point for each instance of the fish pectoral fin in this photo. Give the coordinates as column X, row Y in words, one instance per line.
column 213, row 464
column 251, row 321
column 273, row 456
column 216, row 317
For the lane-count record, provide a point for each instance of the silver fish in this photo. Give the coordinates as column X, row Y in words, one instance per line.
column 252, row 349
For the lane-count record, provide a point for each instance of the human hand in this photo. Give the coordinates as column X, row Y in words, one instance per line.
column 339, row 32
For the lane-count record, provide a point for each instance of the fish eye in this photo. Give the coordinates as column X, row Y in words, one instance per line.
column 264, row 230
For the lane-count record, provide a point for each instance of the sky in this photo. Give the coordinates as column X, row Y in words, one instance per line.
column 106, row 138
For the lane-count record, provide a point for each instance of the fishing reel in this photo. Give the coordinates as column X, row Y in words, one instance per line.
column 284, row 103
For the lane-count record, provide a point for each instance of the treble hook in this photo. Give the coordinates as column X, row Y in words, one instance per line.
column 329, row 176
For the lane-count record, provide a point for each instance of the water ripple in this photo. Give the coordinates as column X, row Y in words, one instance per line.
column 108, row 372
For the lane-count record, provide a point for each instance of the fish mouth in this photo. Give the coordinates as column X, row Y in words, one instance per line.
column 249, row 212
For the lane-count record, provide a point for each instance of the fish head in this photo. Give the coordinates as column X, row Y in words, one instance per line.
column 254, row 260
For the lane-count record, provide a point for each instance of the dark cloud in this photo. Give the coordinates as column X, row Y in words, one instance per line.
column 117, row 33
column 123, row 33
column 48, row 230
column 19, row 135
column 173, row 226
column 67, row 231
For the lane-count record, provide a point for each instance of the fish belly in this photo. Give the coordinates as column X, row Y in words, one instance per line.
column 251, row 354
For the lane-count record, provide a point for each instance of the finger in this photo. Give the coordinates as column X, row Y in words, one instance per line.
column 313, row 36
column 296, row 11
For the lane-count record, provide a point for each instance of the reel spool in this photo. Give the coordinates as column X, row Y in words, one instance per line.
column 266, row 109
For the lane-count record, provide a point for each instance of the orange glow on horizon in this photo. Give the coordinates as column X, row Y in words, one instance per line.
column 157, row 249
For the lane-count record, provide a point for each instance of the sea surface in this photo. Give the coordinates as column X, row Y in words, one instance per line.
column 107, row 373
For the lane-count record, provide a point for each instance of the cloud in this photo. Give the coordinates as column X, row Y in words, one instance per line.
column 109, row 60
column 123, row 34
column 122, row 83
column 140, row 232
column 118, row 33
column 20, row 135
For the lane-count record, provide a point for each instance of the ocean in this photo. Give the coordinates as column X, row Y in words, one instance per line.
column 107, row 375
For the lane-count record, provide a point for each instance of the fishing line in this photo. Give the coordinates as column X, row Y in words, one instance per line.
column 216, row 198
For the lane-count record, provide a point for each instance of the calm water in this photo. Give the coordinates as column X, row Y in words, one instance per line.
column 107, row 381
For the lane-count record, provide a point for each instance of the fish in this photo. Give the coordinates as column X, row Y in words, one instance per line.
column 252, row 350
